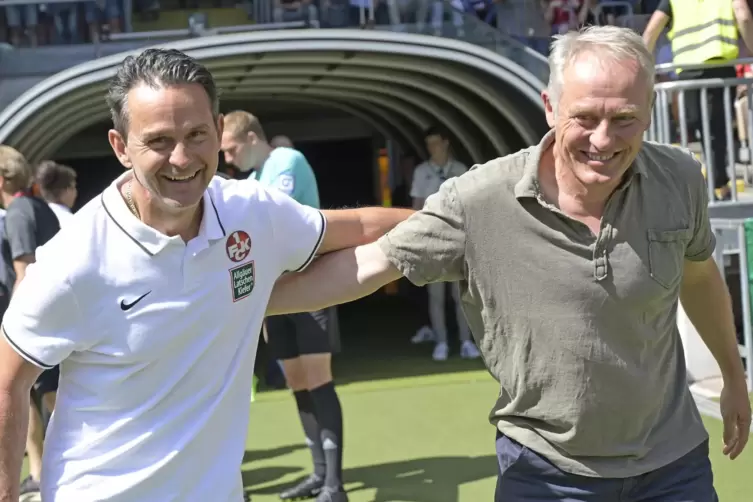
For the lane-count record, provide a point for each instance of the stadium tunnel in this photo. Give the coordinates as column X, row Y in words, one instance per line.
column 399, row 84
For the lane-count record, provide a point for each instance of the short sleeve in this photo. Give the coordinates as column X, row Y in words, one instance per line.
column 284, row 182
column 43, row 322
column 418, row 186
column 703, row 242
column 298, row 230
column 430, row 245
column 20, row 229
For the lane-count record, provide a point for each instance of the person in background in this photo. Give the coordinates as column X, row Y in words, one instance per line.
column 281, row 141
column 427, row 179
column 29, row 223
column 301, row 341
column 705, row 32
column 57, row 183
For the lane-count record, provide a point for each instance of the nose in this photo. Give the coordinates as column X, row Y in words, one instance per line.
column 602, row 137
column 180, row 156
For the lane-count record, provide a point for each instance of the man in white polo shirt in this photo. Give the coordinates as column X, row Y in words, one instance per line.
column 427, row 178
column 155, row 314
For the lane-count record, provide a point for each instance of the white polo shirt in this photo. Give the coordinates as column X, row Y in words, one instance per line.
column 428, row 177
column 63, row 213
column 156, row 341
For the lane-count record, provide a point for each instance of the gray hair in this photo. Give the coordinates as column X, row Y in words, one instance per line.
column 156, row 68
column 610, row 42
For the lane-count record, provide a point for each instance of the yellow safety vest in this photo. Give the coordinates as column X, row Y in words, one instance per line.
column 703, row 30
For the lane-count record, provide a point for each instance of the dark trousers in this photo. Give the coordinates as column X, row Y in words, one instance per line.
column 525, row 476
column 717, row 124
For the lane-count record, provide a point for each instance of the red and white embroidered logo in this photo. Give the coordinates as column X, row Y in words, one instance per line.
column 238, row 246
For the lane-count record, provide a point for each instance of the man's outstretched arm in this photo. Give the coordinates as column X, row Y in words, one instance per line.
column 348, row 228
column 429, row 246
column 338, row 277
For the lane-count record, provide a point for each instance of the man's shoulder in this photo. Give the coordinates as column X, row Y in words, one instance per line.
column 669, row 163
column 495, row 176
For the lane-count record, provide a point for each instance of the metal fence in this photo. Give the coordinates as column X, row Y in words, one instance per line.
column 712, row 115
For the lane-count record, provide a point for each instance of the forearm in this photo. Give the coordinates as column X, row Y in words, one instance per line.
column 708, row 306
column 333, row 279
column 654, row 28
column 14, row 419
column 348, row 228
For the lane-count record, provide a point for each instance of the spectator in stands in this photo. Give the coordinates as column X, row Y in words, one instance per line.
column 295, row 10
column 524, row 20
column 57, row 184
column 65, row 22
column 103, row 17
column 29, row 223
column 23, row 20
column 437, row 7
column 567, row 15
column 705, row 32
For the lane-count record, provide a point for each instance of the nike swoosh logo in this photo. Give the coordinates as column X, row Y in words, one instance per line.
column 128, row 306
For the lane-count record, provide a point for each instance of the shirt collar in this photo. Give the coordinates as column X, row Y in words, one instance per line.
column 61, row 207
column 528, row 186
column 147, row 238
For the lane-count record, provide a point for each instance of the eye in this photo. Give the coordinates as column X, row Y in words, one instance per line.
column 624, row 119
column 197, row 135
column 158, row 142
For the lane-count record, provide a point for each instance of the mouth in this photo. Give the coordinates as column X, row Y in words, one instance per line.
column 181, row 179
column 600, row 157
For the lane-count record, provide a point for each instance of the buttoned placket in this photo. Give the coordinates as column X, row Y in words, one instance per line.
column 606, row 229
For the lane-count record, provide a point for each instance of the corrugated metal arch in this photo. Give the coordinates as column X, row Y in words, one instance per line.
column 489, row 103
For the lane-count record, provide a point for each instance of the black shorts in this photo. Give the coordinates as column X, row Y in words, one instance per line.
column 293, row 335
column 47, row 381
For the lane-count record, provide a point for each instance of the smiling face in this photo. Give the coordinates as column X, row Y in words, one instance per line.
column 604, row 108
column 172, row 144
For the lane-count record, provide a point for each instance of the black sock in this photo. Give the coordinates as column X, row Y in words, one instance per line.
column 307, row 413
column 330, row 417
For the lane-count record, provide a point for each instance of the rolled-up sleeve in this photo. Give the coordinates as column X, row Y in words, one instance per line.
column 701, row 245
column 430, row 245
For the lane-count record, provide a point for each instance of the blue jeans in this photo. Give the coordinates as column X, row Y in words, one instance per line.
column 525, row 476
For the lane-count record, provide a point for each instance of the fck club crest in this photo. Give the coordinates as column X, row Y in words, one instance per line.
column 238, row 246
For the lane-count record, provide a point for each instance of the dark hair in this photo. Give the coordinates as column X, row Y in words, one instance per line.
column 436, row 131
column 54, row 179
column 156, row 68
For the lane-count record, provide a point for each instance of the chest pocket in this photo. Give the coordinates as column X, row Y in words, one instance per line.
column 666, row 249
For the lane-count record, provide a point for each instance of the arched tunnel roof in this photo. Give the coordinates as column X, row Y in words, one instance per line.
column 399, row 83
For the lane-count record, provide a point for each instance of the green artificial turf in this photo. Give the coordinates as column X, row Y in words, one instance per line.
column 422, row 439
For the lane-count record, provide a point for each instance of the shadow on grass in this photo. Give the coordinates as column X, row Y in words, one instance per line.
column 259, row 455
column 434, row 479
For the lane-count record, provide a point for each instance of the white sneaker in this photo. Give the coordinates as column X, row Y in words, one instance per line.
column 441, row 351
column 468, row 350
column 424, row 334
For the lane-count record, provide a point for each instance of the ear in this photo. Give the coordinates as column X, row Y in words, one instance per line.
column 118, row 145
column 220, row 126
column 548, row 108
column 252, row 138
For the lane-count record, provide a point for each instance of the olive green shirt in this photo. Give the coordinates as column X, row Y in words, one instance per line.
column 579, row 329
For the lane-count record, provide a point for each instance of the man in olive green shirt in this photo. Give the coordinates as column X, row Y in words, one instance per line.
column 572, row 256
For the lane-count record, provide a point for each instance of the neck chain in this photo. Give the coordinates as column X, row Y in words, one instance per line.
column 129, row 199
